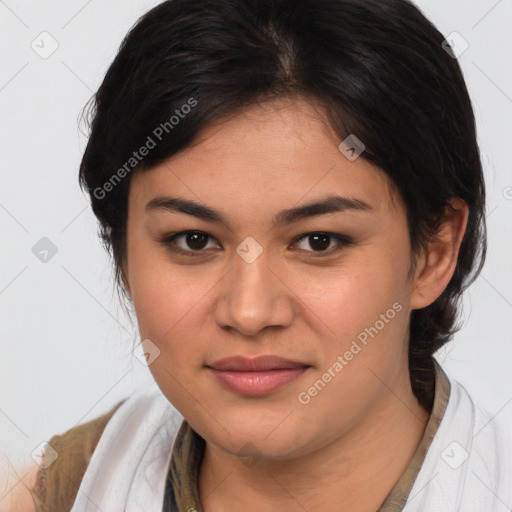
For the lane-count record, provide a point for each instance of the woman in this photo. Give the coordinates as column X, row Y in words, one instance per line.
column 294, row 200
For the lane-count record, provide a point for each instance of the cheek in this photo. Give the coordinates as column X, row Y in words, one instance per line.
column 352, row 297
column 162, row 293
column 168, row 309
column 367, row 317
column 170, row 314
column 366, row 311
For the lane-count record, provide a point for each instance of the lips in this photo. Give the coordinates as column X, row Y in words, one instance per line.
column 259, row 376
column 257, row 364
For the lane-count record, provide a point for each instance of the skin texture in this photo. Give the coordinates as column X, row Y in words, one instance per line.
column 348, row 446
column 16, row 496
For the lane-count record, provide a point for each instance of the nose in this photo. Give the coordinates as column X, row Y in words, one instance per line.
column 254, row 296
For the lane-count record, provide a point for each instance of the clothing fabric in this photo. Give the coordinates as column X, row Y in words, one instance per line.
column 129, row 466
column 148, row 458
column 57, row 485
column 468, row 467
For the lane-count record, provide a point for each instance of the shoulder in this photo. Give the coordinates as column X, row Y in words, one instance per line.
column 486, row 426
column 480, row 446
column 468, row 464
column 64, row 462
column 131, row 460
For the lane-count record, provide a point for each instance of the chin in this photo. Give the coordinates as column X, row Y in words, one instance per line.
column 245, row 438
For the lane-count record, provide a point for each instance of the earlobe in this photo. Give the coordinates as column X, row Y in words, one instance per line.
column 437, row 266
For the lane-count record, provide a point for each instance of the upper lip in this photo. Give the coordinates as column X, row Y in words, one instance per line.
column 260, row 363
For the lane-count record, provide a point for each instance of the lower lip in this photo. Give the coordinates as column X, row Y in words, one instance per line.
column 257, row 383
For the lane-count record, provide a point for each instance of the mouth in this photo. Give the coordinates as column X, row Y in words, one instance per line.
column 256, row 376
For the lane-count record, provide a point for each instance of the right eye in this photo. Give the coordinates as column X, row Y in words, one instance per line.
column 190, row 243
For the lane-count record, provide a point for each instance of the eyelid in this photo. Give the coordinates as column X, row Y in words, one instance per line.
column 168, row 239
column 343, row 240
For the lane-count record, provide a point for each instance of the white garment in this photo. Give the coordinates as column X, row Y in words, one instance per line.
column 128, row 469
column 468, row 467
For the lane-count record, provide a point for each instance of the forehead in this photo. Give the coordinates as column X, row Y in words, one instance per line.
column 278, row 152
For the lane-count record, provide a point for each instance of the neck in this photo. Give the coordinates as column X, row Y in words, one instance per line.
column 357, row 471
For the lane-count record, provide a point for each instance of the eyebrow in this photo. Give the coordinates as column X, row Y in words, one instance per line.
column 330, row 204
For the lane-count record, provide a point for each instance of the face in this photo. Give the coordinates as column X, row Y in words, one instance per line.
column 249, row 272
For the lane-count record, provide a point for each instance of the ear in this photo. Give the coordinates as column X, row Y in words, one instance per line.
column 436, row 266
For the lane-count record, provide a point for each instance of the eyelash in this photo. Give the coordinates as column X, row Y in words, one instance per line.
column 343, row 241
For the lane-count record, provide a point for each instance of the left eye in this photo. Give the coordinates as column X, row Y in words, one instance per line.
column 321, row 242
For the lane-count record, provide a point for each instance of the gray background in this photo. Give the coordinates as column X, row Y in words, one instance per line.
column 66, row 346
